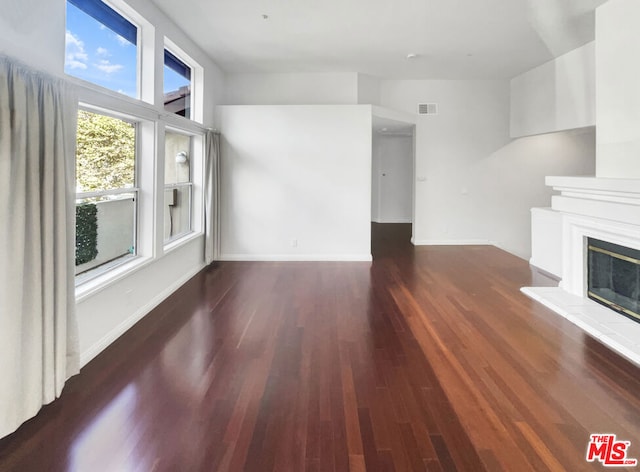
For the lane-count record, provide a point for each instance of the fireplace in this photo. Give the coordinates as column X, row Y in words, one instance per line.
column 592, row 234
column 613, row 274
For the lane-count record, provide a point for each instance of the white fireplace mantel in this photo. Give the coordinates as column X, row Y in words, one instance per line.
column 594, row 184
column 590, row 207
column 609, row 199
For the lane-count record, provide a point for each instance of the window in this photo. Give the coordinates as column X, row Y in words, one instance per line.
column 106, row 192
column 177, row 86
column 124, row 209
column 178, row 185
column 101, row 46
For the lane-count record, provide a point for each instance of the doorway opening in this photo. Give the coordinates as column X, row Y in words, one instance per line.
column 392, row 183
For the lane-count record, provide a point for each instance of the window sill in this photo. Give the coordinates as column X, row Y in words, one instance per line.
column 100, row 282
column 96, row 284
column 176, row 243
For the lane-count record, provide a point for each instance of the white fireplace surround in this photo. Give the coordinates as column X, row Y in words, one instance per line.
column 576, row 230
column 604, row 209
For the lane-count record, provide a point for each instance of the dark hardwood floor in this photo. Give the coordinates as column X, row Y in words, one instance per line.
column 428, row 359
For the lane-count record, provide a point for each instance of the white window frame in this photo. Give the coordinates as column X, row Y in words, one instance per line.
column 151, row 122
column 146, row 121
column 197, row 81
column 104, row 268
column 144, row 52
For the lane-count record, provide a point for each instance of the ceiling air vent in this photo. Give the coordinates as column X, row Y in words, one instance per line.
column 428, row 108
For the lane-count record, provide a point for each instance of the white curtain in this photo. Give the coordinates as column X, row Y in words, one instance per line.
column 212, row 197
column 38, row 332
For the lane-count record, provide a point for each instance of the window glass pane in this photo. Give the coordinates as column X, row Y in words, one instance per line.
column 177, row 86
column 105, row 156
column 105, row 230
column 177, row 160
column 105, row 176
column 177, row 178
column 177, row 211
column 101, row 46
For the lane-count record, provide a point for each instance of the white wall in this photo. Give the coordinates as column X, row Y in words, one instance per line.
column 34, row 32
column 104, row 316
column 555, row 96
column 618, row 89
column 368, row 90
column 298, row 173
column 392, row 179
column 292, row 89
column 479, row 186
column 471, row 124
column 513, row 181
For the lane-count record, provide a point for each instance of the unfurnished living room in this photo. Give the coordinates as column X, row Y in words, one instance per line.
column 319, row 236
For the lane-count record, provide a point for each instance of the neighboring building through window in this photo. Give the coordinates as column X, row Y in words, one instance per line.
column 178, row 189
column 106, row 192
column 177, row 86
column 101, row 46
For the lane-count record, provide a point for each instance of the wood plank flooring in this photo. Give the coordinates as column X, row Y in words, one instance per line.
column 428, row 359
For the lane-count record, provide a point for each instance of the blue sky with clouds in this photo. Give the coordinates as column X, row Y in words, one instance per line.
column 96, row 54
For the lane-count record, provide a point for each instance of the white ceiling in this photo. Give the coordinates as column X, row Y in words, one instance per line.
column 454, row 39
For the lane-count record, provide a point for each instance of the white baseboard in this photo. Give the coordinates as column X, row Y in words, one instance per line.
column 451, row 242
column 298, row 257
column 545, row 270
column 115, row 333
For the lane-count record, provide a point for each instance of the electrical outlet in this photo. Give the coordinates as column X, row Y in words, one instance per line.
column 294, row 243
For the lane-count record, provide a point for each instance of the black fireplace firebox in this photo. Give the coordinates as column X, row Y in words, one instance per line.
column 614, row 277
